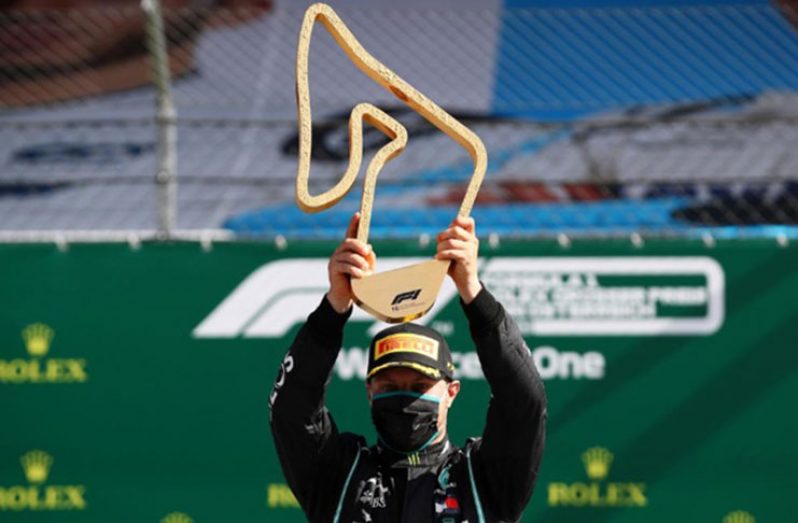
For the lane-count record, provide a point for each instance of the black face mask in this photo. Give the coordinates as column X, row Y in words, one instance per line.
column 406, row 421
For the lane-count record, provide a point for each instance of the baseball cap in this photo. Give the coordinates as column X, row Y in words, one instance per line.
column 412, row 346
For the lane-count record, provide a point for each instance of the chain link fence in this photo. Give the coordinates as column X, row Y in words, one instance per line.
column 650, row 121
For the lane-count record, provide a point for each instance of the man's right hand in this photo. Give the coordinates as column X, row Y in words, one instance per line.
column 352, row 258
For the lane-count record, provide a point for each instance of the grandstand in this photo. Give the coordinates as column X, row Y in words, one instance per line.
column 599, row 120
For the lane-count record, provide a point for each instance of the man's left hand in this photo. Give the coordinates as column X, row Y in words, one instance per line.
column 459, row 244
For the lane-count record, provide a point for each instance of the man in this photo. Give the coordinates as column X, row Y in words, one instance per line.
column 413, row 474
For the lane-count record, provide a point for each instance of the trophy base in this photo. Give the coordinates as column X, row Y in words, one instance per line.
column 401, row 295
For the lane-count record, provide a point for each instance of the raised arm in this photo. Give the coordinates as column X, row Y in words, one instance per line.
column 315, row 458
column 506, row 459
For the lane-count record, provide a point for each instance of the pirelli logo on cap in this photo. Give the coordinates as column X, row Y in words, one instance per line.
column 405, row 342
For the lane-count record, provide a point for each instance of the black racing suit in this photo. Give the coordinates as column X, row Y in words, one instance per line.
column 337, row 477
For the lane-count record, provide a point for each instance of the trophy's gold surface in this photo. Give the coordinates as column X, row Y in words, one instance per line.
column 409, row 292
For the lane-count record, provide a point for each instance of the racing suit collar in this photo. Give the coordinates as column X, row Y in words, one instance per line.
column 430, row 456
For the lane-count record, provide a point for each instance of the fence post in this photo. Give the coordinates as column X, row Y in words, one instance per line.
column 166, row 116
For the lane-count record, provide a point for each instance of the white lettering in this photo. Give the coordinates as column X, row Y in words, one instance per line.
column 285, row 367
column 593, row 296
column 352, row 364
column 546, row 361
column 552, row 363
column 594, row 365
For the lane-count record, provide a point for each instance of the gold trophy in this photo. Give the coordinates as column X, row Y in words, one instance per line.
column 407, row 293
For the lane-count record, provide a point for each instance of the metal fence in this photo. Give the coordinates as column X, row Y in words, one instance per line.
column 596, row 117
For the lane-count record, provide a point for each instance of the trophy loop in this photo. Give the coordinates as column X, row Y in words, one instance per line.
column 402, row 294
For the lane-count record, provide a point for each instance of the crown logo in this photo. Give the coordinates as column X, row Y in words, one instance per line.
column 36, row 464
column 37, row 337
column 597, row 462
column 739, row 516
column 177, row 517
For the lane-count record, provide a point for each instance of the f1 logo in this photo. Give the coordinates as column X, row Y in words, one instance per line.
column 404, row 296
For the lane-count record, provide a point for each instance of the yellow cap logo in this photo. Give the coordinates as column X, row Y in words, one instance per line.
column 37, row 337
column 597, row 462
column 739, row 516
column 36, row 464
column 404, row 342
column 176, row 517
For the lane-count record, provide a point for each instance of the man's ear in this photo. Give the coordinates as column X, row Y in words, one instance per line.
column 369, row 394
column 452, row 390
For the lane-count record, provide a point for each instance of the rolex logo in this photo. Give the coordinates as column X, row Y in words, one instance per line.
column 176, row 517
column 597, row 491
column 597, row 462
column 37, row 495
column 739, row 516
column 36, row 464
column 38, row 367
column 37, row 338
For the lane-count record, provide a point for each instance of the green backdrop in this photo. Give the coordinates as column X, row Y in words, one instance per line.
column 134, row 383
